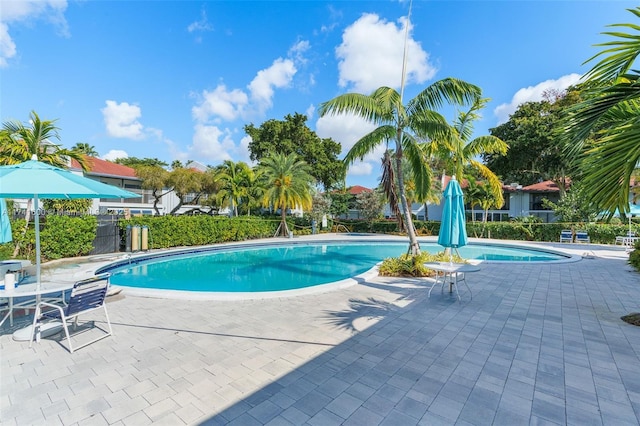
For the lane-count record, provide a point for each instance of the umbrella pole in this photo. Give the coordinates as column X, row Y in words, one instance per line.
column 37, row 225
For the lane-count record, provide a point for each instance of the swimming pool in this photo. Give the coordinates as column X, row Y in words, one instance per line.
column 252, row 268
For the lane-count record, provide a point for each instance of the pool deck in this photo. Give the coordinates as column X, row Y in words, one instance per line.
column 537, row 344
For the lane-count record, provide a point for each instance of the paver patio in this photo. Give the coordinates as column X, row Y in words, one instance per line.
column 537, row 344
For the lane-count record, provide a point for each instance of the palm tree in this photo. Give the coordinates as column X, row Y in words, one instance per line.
column 234, row 183
column 604, row 129
column 19, row 143
column 407, row 126
column 459, row 152
column 289, row 184
column 85, row 148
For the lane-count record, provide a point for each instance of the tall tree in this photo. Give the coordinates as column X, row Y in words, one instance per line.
column 407, row 126
column 85, row 148
column 185, row 183
column 536, row 150
column 233, row 179
column 289, row 184
column 154, row 178
column 292, row 135
column 460, row 151
column 604, row 129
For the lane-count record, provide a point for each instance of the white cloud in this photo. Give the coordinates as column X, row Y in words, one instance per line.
column 220, row 104
column 344, row 128
column 210, row 143
column 201, row 25
column 114, row 154
column 28, row 11
column 121, row 120
column 278, row 75
column 371, row 55
column 533, row 94
column 243, row 151
column 347, row 130
column 360, row 168
column 310, row 111
column 229, row 105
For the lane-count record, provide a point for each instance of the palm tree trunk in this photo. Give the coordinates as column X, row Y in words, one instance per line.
column 414, row 247
column 284, row 229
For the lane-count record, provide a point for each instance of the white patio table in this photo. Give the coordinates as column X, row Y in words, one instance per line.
column 28, row 290
column 451, row 273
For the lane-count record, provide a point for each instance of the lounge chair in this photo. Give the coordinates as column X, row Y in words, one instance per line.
column 566, row 236
column 86, row 296
column 582, row 237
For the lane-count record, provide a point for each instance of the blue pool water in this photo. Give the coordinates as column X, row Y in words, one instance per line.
column 284, row 267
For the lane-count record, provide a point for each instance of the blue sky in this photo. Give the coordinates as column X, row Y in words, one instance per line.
column 180, row 79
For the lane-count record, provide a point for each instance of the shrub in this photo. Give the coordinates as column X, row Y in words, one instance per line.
column 65, row 236
column 177, row 231
column 408, row 265
column 634, row 256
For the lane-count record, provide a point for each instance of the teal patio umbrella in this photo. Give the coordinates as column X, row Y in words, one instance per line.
column 5, row 225
column 34, row 179
column 453, row 232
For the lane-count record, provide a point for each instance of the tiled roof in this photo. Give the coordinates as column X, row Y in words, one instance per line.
column 100, row 167
column 447, row 178
column 546, row 186
column 357, row 189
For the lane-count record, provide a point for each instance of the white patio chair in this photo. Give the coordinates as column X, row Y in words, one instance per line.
column 86, row 296
column 582, row 237
column 566, row 236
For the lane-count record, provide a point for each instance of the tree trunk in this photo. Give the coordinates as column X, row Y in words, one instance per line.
column 177, row 207
column 156, row 201
column 414, row 247
column 284, row 229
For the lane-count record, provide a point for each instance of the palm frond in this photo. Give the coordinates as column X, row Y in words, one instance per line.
column 449, row 90
column 609, row 164
column 487, row 144
column 495, row 184
column 362, row 106
column 422, row 174
column 620, row 55
column 582, row 118
column 369, row 142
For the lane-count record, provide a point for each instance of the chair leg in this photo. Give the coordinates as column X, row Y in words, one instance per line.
column 107, row 317
column 66, row 332
column 35, row 324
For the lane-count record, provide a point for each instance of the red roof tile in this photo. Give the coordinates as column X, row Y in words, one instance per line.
column 357, row 189
column 546, row 186
column 105, row 168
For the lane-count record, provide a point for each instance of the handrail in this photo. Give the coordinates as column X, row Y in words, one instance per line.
column 340, row 226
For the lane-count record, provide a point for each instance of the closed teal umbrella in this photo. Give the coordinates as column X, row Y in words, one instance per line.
column 5, row 225
column 453, row 232
column 33, row 179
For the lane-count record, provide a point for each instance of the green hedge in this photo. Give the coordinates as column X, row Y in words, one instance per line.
column 60, row 237
column 176, row 231
column 600, row 233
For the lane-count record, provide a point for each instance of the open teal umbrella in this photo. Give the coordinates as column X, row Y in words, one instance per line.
column 5, row 225
column 34, row 179
column 453, row 232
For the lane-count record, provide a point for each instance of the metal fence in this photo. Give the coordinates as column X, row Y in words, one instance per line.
column 107, row 238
